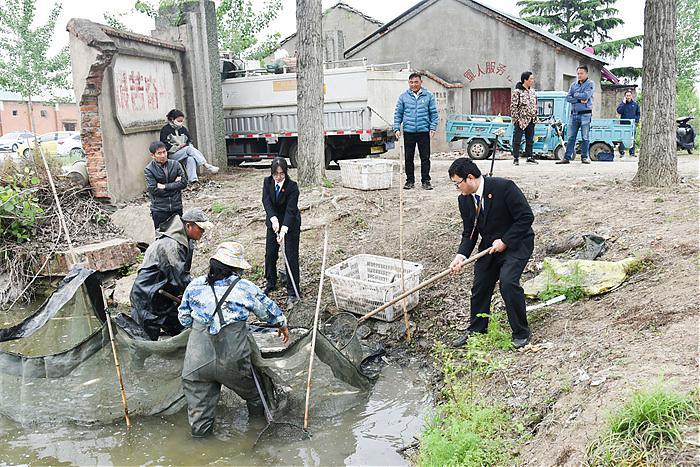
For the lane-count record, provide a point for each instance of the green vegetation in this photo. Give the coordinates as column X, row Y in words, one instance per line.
column 567, row 285
column 467, row 428
column 649, row 423
column 328, row 183
column 219, row 207
column 19, row 206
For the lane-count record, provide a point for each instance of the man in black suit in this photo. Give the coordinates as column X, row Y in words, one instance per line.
column 496, row 209
column 280, row 198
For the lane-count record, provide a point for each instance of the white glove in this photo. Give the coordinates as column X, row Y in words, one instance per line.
column 275, row 224
column 281, row 235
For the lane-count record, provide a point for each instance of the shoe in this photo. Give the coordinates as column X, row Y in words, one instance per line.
column 212, row 169
column 409, row 186
column 461, row 340
column 563, row 161
column 194, row 185
column 520, row 343
column 532, row 161
column 516, row 161
column 268, row 289
column 291, row 301
column 585, row 161
column 427, row 186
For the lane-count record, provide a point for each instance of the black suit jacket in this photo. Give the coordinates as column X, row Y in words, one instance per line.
column 507, row 215
column 286, row 208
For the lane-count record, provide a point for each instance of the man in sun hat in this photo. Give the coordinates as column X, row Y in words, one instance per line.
column 216, row 307
column 165, row 270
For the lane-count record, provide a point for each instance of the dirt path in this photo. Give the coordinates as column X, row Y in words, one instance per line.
column 644, row 333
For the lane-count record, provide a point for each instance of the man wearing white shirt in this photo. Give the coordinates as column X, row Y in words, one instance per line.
column 495, row 209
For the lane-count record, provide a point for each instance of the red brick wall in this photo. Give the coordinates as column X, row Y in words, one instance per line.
column 56, row 117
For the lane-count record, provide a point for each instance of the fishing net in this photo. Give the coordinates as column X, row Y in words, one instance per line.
column 57, row 365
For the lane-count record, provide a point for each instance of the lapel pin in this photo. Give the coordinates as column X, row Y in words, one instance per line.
column 490, row 196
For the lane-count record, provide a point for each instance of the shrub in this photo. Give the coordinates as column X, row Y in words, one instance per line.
column 19, row 206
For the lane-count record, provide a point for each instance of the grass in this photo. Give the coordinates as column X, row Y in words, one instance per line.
column 648, row 424
column 568, row 285
column 327, row 183
column 217, row 207
column 468, row 428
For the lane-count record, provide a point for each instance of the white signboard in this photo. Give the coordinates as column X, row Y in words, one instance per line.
column 144, row 90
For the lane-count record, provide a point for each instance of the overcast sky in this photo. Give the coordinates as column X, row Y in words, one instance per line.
column 631, row 11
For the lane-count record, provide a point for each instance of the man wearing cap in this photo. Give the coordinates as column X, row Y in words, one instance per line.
column 165, row 272
column 216, row 307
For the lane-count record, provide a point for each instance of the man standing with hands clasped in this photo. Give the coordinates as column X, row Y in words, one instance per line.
column 417, row 112
column 496, row 209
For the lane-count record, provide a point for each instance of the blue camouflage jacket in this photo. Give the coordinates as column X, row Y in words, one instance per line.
column 418, row 114
column 581, row 92
column 198, row 303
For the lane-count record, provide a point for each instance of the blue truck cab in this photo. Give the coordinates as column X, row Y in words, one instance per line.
column 550, row 130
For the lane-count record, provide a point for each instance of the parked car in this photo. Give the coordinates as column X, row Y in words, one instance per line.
column 71, row 146
column 48, row 141
column 11, row 141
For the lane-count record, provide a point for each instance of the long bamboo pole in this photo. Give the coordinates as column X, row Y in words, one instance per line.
column 314, row 330
column 422, row 285
column 119, row 371
column 403, row 282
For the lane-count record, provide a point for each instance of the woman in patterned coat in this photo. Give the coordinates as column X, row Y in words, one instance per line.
column 523, row 110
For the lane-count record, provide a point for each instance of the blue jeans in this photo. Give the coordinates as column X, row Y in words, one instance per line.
column 191, row 158
column 583, row 122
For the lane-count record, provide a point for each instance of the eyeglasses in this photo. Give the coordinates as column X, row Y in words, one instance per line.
column 457, row 184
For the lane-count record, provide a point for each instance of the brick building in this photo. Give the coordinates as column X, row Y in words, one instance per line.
column 48, row 116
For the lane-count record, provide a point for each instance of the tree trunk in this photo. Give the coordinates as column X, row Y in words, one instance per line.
column 658, row 164
column 310, row 154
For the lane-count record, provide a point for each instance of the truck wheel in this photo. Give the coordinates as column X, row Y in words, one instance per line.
column 559, row 152
column 597, row 148
column 292, row 154
column 478, row 149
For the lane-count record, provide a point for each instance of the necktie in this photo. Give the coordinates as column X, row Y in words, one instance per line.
column 277, row 192
column 479, row 207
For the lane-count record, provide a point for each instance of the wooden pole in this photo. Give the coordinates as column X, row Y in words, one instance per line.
column 403, row 282
column 119, row 371
column 422, row 285
column 314, row 330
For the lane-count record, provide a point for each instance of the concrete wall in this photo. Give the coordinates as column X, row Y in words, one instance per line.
column 462, row 42
column 341, row 29
column 14, row 116
column 612, row 95
column 126, row 83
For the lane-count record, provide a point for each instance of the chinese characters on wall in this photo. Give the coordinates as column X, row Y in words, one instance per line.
column 487, row 68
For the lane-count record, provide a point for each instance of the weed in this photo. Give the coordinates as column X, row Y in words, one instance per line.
column 255, row 273
column 567, row 285
column 19, row 206
column 327, row 183
column 658, row 200
column 648, row 423
column 218, row 207
column 360, row 223
column 638, row 266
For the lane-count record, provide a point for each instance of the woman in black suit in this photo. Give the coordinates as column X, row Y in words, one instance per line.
column 283, row 219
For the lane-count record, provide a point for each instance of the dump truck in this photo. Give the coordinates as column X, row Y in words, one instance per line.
column 260, row 111
column 552, row 121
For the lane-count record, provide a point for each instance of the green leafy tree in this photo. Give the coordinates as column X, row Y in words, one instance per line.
column 688, row 57
column 25, row 64
column 581, row 22
column 239, row 26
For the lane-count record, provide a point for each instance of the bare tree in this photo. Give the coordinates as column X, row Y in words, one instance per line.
column 310, row 150
column 658, row 163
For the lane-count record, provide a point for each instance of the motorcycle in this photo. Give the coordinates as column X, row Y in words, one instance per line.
column 685, row 135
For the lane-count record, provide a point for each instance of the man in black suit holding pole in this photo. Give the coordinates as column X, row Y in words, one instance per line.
column 496, row 209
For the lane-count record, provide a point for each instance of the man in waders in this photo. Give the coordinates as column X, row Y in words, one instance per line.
column 166, row 268
column 217, row 307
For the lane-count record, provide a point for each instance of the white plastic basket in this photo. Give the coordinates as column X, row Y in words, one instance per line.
column 364, row 282
column 367, row 174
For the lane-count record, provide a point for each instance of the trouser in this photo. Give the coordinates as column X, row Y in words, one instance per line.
column 582, row 122
column 191, row 158
column 212, row 361
column 518, row 132
column 160, row 217
column 621, row 147
column 507, row 270
column 169, row 323
column 291, row 248
column 422, row 140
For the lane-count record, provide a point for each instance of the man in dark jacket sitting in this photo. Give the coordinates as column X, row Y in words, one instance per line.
column 629, row 110
column 165, row 180
column 166, row 266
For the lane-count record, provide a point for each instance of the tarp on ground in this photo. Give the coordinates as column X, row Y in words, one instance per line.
column 57, row 365
column 594, row 277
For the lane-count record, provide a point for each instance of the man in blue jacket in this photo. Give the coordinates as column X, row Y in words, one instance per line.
column 417, row 111
column 581, row 99
column 629, row 110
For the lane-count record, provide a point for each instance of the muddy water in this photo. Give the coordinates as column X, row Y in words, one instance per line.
column 367, row 435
